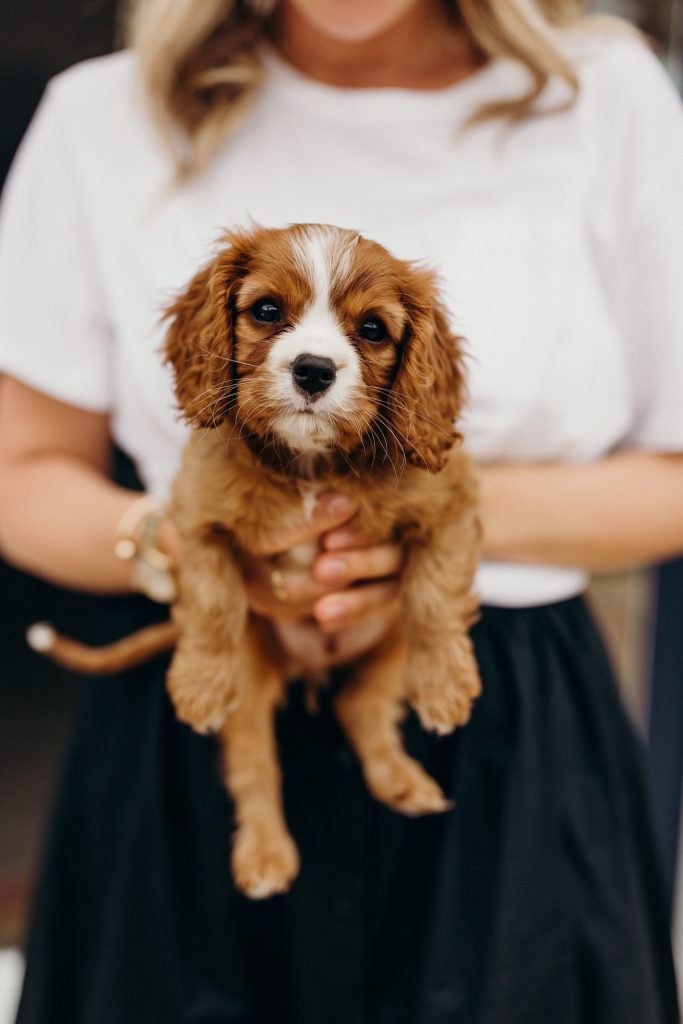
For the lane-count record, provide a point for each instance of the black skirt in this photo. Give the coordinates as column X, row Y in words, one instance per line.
column 536, row 900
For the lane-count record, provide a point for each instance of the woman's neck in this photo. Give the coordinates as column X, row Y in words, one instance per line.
column 425, row 49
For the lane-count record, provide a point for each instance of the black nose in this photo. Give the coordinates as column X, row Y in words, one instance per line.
column 313, row 374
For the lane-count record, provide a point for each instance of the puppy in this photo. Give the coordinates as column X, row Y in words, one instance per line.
column 309, row 359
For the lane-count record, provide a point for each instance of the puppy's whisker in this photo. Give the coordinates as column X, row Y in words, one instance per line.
column 213, row 404
column 362, row 432
column 262, row 401
column 222, row 385
column 397, row 434
column 224, row 359
column 403, row 441
column 349, row 463
column 242, row 362
column 213, row 388
column 385, row 445
column 356, row 423
column 386, row 392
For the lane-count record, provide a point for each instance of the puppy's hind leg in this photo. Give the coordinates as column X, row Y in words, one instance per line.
column 265, row 860
column 370, row 709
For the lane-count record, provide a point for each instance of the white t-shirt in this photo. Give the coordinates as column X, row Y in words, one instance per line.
column 559, row 244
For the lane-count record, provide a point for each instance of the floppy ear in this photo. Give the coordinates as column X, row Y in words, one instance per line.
column 429, row 388
column 199, row 341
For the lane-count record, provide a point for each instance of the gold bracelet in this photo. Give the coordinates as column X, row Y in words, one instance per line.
column 137, row 537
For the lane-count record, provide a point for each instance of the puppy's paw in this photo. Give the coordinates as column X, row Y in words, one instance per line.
column 203, row 690
column 404, row 785
column 265, row 861
column 442, row 690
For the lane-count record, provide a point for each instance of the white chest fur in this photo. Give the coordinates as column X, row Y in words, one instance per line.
column 303, row 555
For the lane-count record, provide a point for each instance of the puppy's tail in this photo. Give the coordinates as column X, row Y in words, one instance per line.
column 132, row 650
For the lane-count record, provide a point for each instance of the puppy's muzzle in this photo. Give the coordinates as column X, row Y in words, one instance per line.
column 313, row 374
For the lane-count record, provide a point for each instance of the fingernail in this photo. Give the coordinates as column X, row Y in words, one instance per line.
column 331, row 569
column 334, row 504
column 331, row 609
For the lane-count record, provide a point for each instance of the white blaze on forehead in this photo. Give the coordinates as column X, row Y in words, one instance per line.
column 323, row 255
column 311, row 255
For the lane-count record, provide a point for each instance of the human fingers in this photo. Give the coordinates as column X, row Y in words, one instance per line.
column 346, row 536
column 331, row 509
column 282, row 595
column 345, row 608
column 341, row 568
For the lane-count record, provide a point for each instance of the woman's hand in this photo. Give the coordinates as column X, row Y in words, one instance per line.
column 344, row 604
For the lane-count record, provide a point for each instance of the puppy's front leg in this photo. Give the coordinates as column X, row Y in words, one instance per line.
column 441, row 674
column 264, row 857
column 207, row 672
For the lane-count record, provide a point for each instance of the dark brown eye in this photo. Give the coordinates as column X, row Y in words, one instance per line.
column 373, row 330
column 266, row 311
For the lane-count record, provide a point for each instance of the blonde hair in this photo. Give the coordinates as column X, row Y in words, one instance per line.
column 200, row 62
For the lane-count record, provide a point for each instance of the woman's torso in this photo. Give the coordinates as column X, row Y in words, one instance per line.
column 518, row 222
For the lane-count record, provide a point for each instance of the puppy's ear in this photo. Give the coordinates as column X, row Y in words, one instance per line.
column 429, row 388
column 199, row 341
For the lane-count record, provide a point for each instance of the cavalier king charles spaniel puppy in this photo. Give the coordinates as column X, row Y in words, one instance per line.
column 309, row 359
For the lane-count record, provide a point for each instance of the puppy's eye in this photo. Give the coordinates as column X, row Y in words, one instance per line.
column 266, row 311
column 373, row 330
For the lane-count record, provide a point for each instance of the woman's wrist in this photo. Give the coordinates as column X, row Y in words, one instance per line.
column 493, row 503
column 143, row 541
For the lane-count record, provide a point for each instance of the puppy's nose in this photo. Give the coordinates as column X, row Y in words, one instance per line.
column 313, row 374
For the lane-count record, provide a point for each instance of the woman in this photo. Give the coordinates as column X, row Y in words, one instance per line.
column 558, row 240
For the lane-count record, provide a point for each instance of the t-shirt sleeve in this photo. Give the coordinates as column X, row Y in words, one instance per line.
column 644, row 271
column 54, row 333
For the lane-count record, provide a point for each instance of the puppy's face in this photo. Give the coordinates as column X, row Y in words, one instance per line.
column 316, row 338
column 319, row 328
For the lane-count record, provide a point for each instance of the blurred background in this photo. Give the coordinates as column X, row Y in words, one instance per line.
column 641, row 612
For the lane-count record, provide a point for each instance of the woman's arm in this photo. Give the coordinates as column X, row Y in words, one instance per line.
column 58, row 509
column 623, row 510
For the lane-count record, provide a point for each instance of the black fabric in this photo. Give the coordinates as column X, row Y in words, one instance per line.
column 535, row 901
